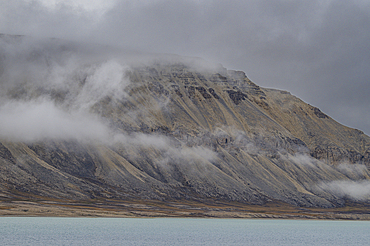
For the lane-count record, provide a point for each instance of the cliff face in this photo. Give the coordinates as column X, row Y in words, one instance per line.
column 98, row 126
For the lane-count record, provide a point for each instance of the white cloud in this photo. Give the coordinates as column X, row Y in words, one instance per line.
column 357, row 190
column 40, row 120
column 47, row 93
column 357, row 169
column 105, row 80
column 198, row 153
column 302, row 159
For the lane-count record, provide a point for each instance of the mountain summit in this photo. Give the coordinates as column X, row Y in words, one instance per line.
column 88, row 122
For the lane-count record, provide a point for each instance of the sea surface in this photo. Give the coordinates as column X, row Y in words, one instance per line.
column 175, row 231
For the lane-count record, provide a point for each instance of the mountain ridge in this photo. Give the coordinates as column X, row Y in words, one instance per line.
column 83, row 129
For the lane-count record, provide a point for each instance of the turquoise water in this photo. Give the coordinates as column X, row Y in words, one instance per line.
column 168, row 231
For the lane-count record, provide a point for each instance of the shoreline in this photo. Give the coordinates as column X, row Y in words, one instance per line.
column 176, row 209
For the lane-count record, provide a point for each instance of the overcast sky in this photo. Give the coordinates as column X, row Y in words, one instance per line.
column 319, row 50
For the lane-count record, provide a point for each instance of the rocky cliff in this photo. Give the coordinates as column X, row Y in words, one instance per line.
column 92, row 122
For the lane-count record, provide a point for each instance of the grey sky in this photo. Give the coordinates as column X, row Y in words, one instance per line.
column 317, row 49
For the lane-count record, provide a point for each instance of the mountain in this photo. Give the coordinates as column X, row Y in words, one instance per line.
column 81, row 122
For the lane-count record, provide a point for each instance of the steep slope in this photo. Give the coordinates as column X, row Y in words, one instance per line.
column 86, row 123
